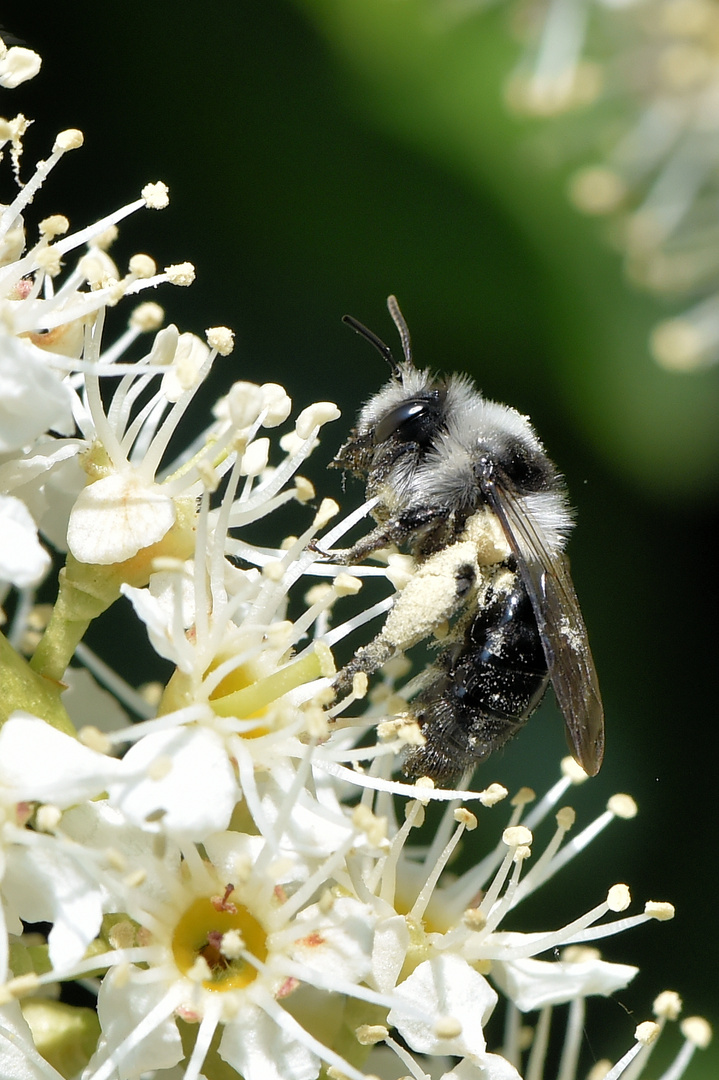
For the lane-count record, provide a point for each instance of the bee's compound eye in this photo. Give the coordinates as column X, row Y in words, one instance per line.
column 415, row 420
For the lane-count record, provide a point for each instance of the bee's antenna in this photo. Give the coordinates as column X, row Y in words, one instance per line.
column 379, row 345
column 398, row 319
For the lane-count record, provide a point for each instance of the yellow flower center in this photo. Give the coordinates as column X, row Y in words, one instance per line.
column 200, row 932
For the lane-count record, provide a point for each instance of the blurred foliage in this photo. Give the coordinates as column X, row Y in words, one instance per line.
column 324, row 153
column 435, row 83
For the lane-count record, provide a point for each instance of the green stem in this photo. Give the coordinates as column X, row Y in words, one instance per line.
column 85, row 591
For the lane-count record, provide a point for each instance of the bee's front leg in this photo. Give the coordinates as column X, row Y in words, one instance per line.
column 412, row 525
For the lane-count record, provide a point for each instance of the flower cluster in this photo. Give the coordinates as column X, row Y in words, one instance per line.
column 228, row 878
column 649, row 72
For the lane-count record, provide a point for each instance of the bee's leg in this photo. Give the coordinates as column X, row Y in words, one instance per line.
column 437, row 590
column 422, row 523
column 381, row 536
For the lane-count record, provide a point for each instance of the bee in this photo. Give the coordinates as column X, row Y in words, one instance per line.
column 465, row 486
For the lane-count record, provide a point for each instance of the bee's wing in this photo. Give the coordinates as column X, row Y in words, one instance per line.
column 561, row 627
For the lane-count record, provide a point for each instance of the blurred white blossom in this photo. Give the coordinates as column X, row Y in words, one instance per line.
column 633, row 89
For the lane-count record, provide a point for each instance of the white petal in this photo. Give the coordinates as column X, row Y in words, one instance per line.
column 18, row 1052
column 122, row 1003
column 48, row 481
column 228, row 851
column 445, row 987
column 490, row 1067
column 185, row 776
column 343, row 941
column 156, row 614
column 32, row 397
column 391, row 941
column 117, row 516
column 259, row 1050
column 60, row 489
column 101, row 828
column 45, row 884
column 23, row 560
column 167, row 591
column 532, row 984
column 298, row 847
column 37, row 762
column 312, row 825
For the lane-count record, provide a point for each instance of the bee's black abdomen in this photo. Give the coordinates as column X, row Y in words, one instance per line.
column 486, row 687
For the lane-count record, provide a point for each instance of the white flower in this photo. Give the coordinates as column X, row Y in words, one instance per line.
column 222, row 941
column 652, row 168
column 33, row 398
column 41, row 880
column 448, row 940
column 237, row 674
column 185, row 776
column 23, row 560
column 50, row 345
column 39, row 763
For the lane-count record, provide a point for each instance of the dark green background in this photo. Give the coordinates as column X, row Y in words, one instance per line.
column 323, row 154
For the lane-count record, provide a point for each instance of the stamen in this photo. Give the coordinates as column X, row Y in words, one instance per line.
column 512, row 838
column 196, row 713
column 624, row 1062
column 290, row 1026
column 385, row 872
column 66, row 140
column 585, row 837
column 540, row 1044
column 406, row 1058
column 394, row 787
column 572, row 1040
column 536, row 876
column 618, row 926
column 159, row 444
column 206, row 1030
column 420, row 905
column 698, row 1034
column 572, row 774
column 348, row 627
column 538, row 943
